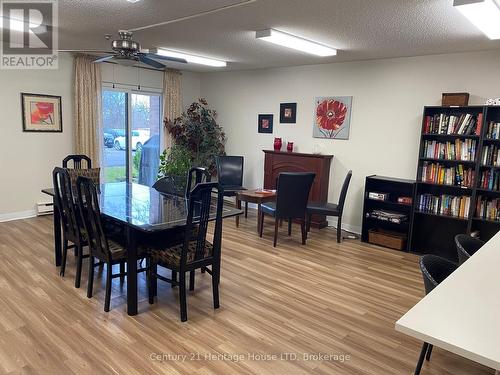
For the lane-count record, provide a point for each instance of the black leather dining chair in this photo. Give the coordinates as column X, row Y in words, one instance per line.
column 434, row 270
column 331, row 209
column 76, row 162
column 292, row 194
column 230, row 176
column 467, row 246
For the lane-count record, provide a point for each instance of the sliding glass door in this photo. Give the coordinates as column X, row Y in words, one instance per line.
column 132, row 136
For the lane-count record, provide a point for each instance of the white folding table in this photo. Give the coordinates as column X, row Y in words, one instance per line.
column 462, row 314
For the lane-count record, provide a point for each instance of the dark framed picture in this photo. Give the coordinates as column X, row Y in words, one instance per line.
column 288, row 113
column 266, row 124
column 41, row 113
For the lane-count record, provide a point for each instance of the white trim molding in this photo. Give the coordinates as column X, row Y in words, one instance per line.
column 17, row 215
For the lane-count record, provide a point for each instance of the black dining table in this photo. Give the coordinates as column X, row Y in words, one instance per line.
column 142, row 211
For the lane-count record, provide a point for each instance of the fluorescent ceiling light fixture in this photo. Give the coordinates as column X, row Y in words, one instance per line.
column 190, row 58
column 484, row 14
column 133, row 1
column 290, row 41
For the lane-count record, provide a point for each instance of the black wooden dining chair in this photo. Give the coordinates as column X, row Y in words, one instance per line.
column 195, row 252
column 75, row 161
column 230, row 175
column 467, row 246
column 331, row 209
column 106, row 250
column 292, row 194
column 434, row 270
column 72, row 227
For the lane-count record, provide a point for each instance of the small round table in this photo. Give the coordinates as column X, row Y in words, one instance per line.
column 256, row 196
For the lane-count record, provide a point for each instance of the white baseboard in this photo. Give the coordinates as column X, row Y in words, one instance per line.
column 332, row 221
column 17, row 215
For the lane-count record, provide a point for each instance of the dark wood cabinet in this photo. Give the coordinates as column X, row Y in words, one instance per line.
column 278, row 161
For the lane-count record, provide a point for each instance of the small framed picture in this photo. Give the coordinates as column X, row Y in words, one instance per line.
column 266, row 124
column 288, row 113
column 41, row 113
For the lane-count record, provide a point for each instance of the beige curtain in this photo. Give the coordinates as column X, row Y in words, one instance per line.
column 172, row 99
column 87, row 107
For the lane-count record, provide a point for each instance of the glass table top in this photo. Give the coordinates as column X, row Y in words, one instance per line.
column 145, row 208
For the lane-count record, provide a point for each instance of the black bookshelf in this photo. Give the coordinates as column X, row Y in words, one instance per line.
column 434, row 232
column 394, row 188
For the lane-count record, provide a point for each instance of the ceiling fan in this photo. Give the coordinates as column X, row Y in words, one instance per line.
column 127, row 49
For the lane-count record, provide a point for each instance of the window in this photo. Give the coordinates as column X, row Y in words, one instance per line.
column 132, row 136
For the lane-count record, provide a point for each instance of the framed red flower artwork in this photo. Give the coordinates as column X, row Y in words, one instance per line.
column 41, row 113
column 332, row 117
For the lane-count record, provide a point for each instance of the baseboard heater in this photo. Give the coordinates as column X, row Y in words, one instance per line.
column 44, row 208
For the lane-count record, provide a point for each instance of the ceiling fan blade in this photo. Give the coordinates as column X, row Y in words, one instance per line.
column 84, row 51
column 104, row 58
column 160, row 57
column 151, row 62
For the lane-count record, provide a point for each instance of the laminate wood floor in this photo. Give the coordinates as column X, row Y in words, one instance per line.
column 338, row 300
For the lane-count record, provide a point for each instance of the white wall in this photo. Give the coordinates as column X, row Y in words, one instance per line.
column 389, row 96
column 27, row 159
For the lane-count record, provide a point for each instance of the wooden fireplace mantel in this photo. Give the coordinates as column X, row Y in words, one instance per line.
column 276, row 162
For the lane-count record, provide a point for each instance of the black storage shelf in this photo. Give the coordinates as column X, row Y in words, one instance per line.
column 431, row 233
column 394, row 187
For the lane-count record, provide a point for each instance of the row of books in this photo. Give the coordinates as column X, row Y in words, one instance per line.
column 393, row 217
column 464, row 150
column 464, row 124
column 448, row 205
column 493, row 130
column 488, row 208
column 490, row 180
column 439, row 174
column 491, row 156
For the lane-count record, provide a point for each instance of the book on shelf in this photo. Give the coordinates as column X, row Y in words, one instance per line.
column 488, row 208
column 463, row 150
column 491, row 156
column 463, row 124
column 446, row 205
column 453, row 176
column 493, row 130
column 378, row 196
column 405, row 200
column 490, row 180
column 390, row 216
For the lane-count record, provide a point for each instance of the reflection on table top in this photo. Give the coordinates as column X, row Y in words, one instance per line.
column 145, row 208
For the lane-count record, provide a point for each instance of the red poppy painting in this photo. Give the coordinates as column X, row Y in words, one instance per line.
column 41, row 113
column 332, row 117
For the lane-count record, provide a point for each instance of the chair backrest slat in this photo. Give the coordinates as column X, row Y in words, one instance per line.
column 292, row 190
column 90, row 212
column 199, row 209
column 76, row 160
column 230, row 170
column 66, row 203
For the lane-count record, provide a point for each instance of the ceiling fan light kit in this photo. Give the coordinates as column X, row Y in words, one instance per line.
column 484, row 14
column 294, row 42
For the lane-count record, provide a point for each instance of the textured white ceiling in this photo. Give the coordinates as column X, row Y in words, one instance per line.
column 360, row 29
